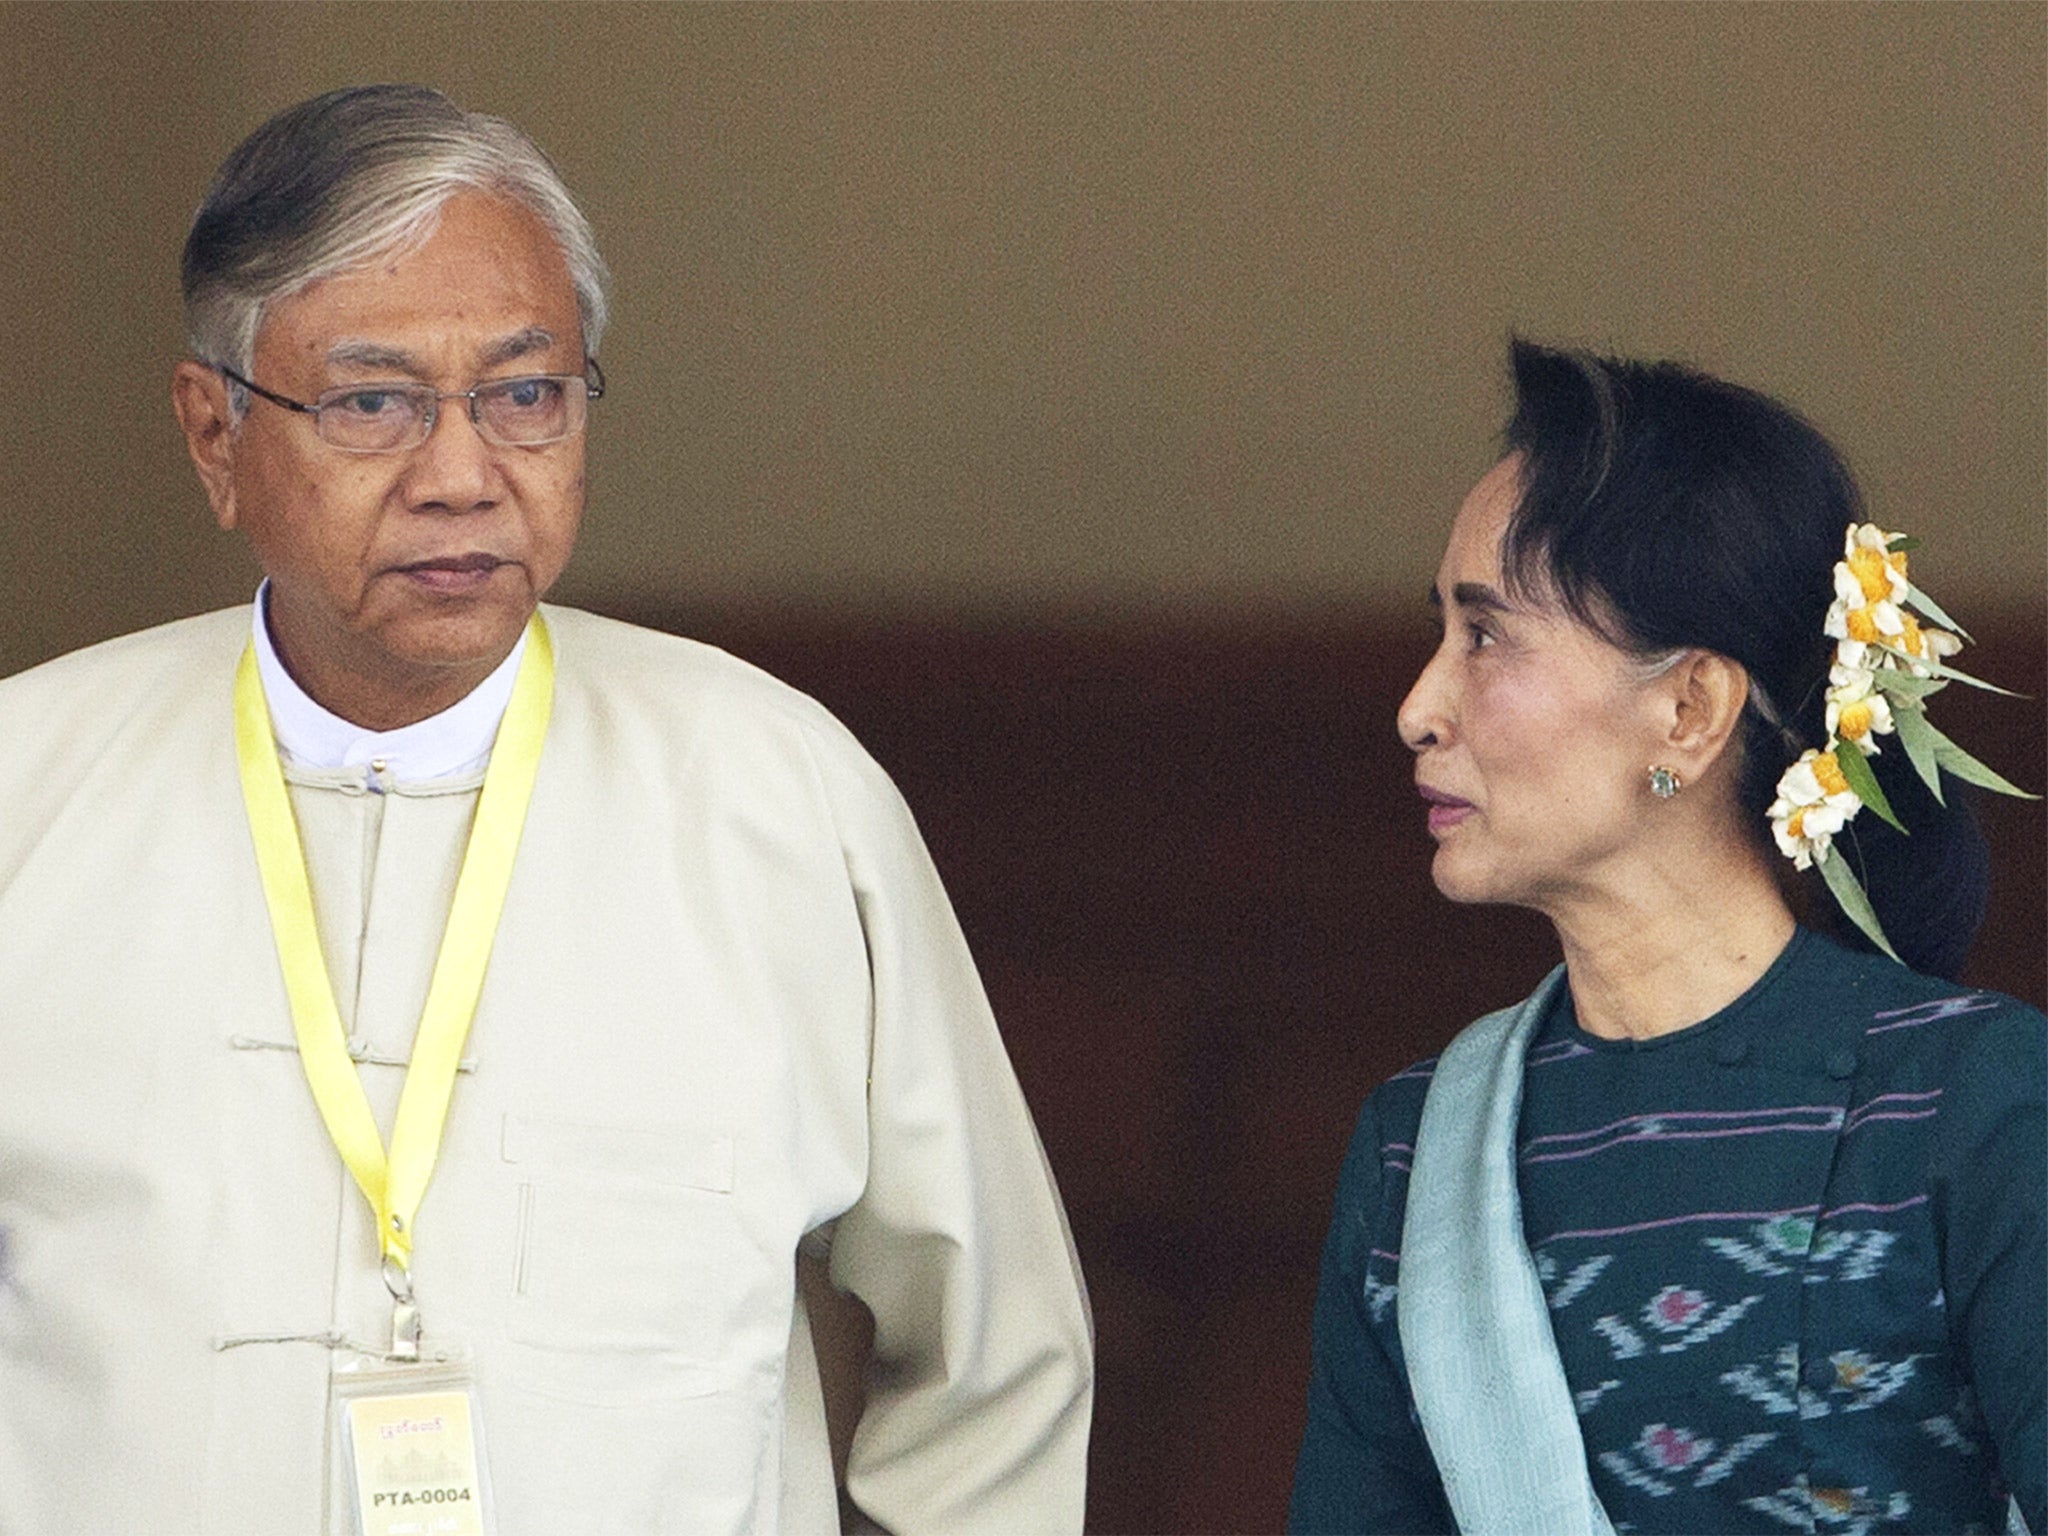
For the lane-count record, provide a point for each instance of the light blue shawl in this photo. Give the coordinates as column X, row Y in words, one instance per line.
column 1482, row 1363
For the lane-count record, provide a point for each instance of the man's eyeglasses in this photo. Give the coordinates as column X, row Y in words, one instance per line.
column 527, row 412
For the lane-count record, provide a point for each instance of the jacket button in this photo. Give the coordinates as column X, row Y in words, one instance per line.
column 1817, row 1374
column 1731, row 1050
column 1841, row 1063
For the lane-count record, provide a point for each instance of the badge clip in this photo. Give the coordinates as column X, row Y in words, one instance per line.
column 405, row 1311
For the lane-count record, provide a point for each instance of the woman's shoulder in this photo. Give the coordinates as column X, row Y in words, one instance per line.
column 1393, row 1110
column 1977, row 1058
column 1904, row 1013
column 1863, row 974
column 1372, row 1184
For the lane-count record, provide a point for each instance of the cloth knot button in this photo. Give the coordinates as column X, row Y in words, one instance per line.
column 1817, row 1374
column 1841, row 1063
column 1731, row 1050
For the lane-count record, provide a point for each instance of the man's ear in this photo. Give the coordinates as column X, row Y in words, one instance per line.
column 199, row 395
column 1704, row 692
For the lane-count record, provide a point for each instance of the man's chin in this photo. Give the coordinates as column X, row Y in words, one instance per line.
column 473, row 639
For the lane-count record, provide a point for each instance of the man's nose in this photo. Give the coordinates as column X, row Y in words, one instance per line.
column 454, row 470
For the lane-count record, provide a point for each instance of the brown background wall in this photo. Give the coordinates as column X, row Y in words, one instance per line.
column 1075, row 398
column 1090, row 308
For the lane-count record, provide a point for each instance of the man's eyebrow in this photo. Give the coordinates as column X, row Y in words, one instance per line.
column 354, row 353
column 370, row 354
column 534, row 338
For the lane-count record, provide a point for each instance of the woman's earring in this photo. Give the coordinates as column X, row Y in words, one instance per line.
column 1665, row 782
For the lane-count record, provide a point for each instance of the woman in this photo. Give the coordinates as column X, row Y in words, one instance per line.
column 1729, row 1227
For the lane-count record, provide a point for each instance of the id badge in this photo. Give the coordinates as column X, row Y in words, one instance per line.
column 411, row 1448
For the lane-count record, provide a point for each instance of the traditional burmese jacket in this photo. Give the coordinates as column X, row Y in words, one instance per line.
column 1793, row 1258
column 728, row 1010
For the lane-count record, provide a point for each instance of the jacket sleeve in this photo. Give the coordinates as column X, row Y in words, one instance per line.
column 1364, row 1465
column 982, row 1379
column 1994, row 1242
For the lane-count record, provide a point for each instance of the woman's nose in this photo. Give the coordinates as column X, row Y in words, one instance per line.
column 1423, row 717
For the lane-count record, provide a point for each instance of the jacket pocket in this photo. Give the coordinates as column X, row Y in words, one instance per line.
column 628, row 1241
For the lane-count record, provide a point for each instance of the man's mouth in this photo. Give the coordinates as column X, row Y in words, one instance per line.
column 452, row 574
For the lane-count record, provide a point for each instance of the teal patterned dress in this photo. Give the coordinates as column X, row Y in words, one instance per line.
column 1794, row 1257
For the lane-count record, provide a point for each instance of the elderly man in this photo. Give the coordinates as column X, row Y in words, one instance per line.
column 433, row 1024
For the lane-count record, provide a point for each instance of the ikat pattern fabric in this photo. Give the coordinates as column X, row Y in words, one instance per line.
column 1793, row 1255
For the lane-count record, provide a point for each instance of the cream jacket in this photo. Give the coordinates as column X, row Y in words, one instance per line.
column 728, row 1011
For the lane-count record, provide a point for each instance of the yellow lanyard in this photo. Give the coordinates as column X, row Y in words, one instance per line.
column 393, row 1185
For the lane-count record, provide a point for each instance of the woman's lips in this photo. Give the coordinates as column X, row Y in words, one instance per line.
column 1445, row 811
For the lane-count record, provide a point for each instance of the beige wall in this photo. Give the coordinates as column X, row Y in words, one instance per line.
column 1045, row 308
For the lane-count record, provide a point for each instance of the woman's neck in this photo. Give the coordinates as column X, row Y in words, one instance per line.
column 1675, row 945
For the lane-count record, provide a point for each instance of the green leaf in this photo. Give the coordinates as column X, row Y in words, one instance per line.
column 1962, row 764
column 1939, row 669
column 1850, row 898
column 1932, row 609
column 1923, row 744
column 1856, row 769
column 1967, row 768
column 1904, row 685
column 1899, row 543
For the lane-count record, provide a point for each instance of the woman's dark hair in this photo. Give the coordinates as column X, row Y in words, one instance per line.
column 1666, row 509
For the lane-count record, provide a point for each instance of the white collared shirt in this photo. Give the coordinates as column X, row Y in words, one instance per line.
column 455, row 741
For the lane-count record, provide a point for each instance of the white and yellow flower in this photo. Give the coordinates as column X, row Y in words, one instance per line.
column 1878, row 569
column 1857, row 711
column 1918, row 643
column 1887, row 664
column 1870, row 596
column 1814, row 803
column 1858, row 628
column 1868, row 617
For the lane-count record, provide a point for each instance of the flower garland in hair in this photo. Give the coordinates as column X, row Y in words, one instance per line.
column 1887, row 665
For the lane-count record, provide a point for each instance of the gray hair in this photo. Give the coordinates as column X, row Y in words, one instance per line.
column 336, row 181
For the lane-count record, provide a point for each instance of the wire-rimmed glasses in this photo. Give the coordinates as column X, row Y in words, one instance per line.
column 527, row 412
